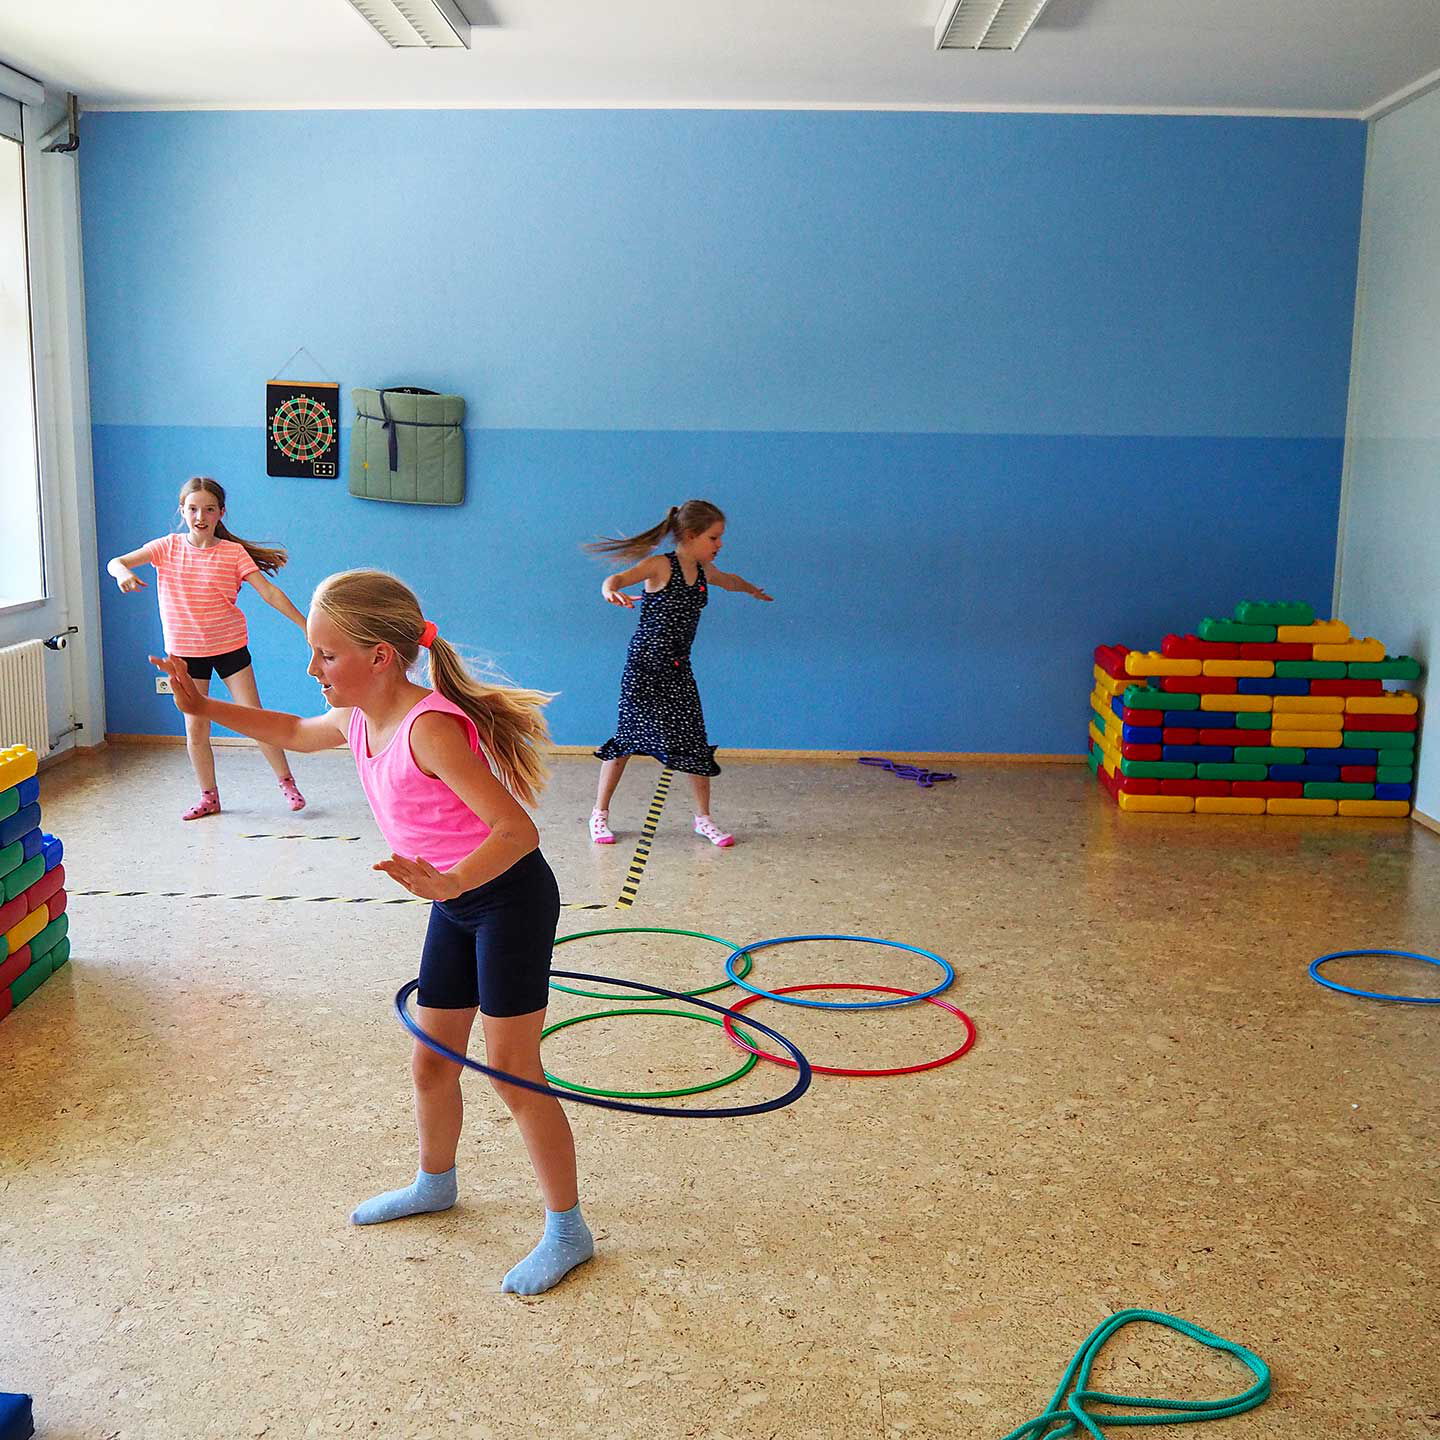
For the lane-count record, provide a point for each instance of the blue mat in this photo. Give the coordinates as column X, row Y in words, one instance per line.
column 16, row 1420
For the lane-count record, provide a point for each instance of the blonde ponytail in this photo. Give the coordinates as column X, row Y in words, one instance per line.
column 373, row 608
column 694, row 517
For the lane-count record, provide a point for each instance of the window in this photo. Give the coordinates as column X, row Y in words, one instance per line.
column 22, row 566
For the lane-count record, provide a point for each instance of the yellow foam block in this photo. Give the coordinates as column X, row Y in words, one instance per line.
column 1322, row 632
column 1108, row 683
column 1398, row 704
column 1251, row 669
column 1152, row 662
column 1110, row 765
column 1310, row 704
column 1160, row 804
column 1236, row 702
column 1367, row 649
column 1229, row 805
column 1307, row 720
column 1099, row 700
column 28, row 928
column 1313, row 739
column 1395, row 808
column 1282, row 806
column 17, row 763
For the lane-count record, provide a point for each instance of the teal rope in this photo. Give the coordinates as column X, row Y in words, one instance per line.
column 1069, row 1416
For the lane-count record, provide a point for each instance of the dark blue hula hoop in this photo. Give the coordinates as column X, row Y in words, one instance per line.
column 678, row 1112
column 946, row 969
column 1319, row 979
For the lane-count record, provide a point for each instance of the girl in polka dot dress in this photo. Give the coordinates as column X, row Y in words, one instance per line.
column 660, row 711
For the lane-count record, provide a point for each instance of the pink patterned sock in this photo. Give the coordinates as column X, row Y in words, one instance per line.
column 207, row 804
column 600, row 832
column 705, row 826
column 291, row 791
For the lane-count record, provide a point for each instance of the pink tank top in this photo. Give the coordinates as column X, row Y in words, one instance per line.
column 418, row 814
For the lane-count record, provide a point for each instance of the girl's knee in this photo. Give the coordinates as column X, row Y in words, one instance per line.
column 430, row 1071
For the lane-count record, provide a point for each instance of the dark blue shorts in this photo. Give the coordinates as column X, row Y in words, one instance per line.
column 202, row 667
column 491, row 947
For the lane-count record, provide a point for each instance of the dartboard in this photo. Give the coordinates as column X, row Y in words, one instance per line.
column 302, row 429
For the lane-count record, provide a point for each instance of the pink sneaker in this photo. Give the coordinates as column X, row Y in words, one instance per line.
column 291, row 791
column 207, row 804
column 705, row 826
column 600, row 832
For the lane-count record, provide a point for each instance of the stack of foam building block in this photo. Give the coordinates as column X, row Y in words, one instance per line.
column 1270, row 712
column 34, row 927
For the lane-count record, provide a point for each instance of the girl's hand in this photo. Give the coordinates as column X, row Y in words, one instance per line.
column 420, row 878
column 188, row 699
column 127, row 583
column 618, row 597
column 759, row 594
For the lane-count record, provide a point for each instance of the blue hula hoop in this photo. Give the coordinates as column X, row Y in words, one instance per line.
column 946, row 969
column 1319, row 979
column 678, row 1112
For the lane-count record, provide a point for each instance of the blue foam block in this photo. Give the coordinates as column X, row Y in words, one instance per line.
column 32, row 842
column 1305, row 772
column 1118, row 706
column 1200, row 754
column 1142, row 735
column 1394, row 792
column 17, row 1420
column 29, row 790
column 1200, row 719
column 1279, row 685
column 27, row 817
column 54, row 851
column 1340, row 757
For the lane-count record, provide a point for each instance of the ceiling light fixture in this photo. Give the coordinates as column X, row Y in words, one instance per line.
column 984, row 24
column 417, row 24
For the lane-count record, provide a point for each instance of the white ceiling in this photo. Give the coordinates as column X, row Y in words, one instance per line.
column 1326, row 57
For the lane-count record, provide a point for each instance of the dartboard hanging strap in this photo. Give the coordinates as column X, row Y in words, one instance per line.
column 301, row 351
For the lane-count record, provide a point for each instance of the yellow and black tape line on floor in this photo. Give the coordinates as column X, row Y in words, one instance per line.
column 262, row 835
column 303, row 899
column 642, row 848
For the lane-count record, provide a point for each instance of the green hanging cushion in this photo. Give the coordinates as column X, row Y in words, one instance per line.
column 408, row 446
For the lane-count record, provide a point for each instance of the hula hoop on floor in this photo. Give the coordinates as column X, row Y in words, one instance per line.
column 676, row 1112
column 751, row 1059
column 965, row 1020
column 1320, row 979
column 646, row 930
column 906, row 997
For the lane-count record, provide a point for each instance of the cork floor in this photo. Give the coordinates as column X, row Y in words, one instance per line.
column 1161, row 1111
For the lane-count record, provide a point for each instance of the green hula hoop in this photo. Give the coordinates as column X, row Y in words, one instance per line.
column 745, row 1069
column 748, row 959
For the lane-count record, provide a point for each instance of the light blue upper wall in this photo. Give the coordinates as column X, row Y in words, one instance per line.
column 702, row 270
column 1390, row 561
column 977, row 391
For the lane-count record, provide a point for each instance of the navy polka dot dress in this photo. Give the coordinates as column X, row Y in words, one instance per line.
column 660, row 711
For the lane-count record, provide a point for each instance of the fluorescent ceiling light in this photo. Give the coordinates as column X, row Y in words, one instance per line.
column 984, row 24
column 411, row 24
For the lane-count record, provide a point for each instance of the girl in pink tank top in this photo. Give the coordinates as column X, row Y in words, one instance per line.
column 445, row 771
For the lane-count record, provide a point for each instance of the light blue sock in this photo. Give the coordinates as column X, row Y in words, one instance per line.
column 428, row 1193
column 566, row 1243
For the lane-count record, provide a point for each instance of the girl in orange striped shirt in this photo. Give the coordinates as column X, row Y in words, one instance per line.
column 199, row 574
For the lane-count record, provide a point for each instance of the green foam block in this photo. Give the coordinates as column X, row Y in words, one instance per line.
column 1380, row 739
column 1231, row 631
column 1392, row 667
column 1159, row 769
column 24, row 876
column 59, row 955
column 1310, row 669
column 1338, row 790
column 9, row 802
column 1275, row 612
column 1139, row 698
column 1253, row 720
column 1394, row 774
column 1224, row 770
column 51, row 935
column 10, row 857
column 30, row 980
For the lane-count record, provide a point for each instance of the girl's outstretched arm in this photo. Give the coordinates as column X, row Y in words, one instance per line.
column 441, row 748
column 739, row 583
column 122, row 570
column 269, row 727
column 652, row 567
column 273, row 595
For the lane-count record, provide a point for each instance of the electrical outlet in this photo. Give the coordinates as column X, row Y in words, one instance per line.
column 162, row 685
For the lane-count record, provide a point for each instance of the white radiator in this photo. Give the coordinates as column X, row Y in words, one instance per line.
column 23, row 718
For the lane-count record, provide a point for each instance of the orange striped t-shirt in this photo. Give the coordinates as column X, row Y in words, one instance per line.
column 197, row 590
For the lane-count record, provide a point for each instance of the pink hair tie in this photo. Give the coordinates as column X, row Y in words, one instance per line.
column 428, row 631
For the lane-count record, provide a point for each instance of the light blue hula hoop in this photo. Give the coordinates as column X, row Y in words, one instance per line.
column 1319, row 979
column 732, row 963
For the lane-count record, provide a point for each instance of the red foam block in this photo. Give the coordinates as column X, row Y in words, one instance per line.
column 1276, row 650
column 1188, row 647
column 1362, row 774
column 45, row 887
column 1198, row 684
column 1172, row 735
column 1270, row 789
column 1137, row 784
column 1194, row 787
column 1347, row 687
column 14, row 966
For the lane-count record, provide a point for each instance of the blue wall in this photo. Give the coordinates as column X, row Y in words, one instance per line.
column 977, row 391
